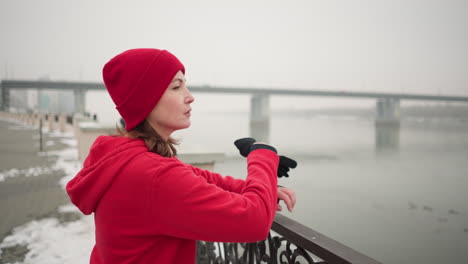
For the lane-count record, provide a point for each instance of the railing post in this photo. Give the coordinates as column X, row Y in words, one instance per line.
column 51, row 122
column 41, row 147
column 5, row 98
column 62, row 122
column 260, row 117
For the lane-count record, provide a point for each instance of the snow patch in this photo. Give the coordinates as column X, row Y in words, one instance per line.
column 28, row 172
column 52, row 242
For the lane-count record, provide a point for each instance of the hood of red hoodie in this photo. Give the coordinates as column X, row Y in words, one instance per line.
column 107, row 156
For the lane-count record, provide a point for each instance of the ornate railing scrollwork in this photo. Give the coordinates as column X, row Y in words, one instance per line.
column 274, row 249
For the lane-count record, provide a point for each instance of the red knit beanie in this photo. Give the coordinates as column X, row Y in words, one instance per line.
column 136, row 79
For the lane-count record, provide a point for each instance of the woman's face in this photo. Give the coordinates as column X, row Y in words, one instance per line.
column 172, row 112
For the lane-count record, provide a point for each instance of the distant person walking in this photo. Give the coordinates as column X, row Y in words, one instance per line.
column 149, row 207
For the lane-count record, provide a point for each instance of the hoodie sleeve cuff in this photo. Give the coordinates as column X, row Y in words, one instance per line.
column 262, row 146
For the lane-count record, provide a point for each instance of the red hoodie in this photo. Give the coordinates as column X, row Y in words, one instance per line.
column 152, row 209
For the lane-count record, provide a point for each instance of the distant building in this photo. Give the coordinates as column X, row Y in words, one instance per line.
column 45, row 101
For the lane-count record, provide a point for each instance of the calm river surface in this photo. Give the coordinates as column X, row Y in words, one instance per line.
column 405, row 207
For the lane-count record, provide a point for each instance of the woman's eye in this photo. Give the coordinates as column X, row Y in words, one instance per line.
column 175, row 87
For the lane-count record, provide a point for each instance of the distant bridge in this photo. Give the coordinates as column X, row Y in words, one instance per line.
column 60, row 85
column 387, row 107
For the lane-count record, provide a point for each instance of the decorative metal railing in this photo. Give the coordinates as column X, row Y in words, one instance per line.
column 289, row 242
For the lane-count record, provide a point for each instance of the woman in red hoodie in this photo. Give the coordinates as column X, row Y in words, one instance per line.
column 148, row 206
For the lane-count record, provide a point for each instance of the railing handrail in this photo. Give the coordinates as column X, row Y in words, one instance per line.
column 331, row 251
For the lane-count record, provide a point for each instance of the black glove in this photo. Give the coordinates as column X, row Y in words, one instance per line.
column 244, row 145
column 285, row 164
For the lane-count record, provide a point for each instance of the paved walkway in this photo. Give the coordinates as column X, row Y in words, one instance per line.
column 22, row 198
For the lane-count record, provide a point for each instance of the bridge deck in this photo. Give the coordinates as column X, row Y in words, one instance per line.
column 25, row 84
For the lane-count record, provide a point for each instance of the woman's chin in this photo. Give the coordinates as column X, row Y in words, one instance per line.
column 184, row 126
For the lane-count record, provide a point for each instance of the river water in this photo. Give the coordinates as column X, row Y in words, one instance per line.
column 410, row 206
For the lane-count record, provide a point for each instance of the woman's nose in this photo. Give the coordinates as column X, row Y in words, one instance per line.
column 189, row 98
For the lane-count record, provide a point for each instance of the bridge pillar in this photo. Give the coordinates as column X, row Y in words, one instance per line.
column 80, row 100
column 387, row 125
column 260, row 117
column 5, row 99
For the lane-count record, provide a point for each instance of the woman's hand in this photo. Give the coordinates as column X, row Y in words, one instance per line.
column 288, row 197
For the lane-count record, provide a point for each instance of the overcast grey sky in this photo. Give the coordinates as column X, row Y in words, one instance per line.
column 417, row 46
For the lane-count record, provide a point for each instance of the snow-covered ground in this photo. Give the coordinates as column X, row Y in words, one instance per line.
column 34, row 171
column 49, row 240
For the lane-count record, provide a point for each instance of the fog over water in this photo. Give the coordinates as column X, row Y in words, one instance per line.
column 407, row 207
